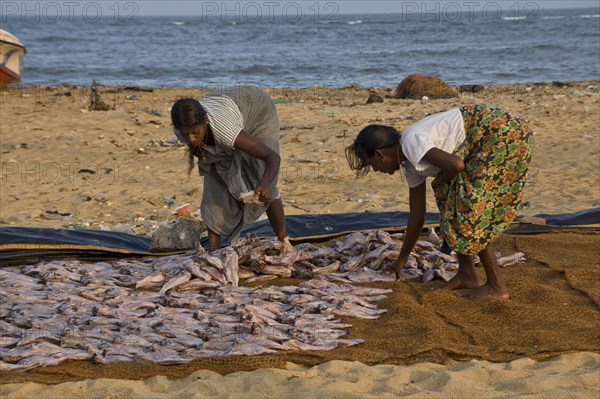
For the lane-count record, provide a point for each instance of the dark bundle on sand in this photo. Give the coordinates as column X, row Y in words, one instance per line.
column 96, row 103
column 417, row 85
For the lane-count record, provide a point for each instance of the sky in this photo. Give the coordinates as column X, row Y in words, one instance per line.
column 328, row 8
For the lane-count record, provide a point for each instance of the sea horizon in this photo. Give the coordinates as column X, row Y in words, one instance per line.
column 366, row 50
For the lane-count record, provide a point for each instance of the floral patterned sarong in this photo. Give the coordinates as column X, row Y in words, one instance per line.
column 479, row 204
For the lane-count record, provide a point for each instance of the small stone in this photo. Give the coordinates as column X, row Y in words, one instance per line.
column 374, row 98
column 122, row 228
column 471, row 88
column 182, row 235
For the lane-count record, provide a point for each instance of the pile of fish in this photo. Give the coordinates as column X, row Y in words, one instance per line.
column 171, row 310
column 359, row 257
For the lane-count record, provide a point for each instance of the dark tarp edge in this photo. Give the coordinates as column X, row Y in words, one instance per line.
column 44, row 237
column 585, row 217
column 18, row 244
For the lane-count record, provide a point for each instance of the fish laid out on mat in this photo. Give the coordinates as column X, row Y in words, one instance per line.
column 174, row 309
column 358, row 257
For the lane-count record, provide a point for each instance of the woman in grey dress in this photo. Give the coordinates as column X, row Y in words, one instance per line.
column 234, row 134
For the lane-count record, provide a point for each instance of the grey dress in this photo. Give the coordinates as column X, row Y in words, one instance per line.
column 228, row 172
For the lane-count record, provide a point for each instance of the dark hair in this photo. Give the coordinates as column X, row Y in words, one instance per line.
column 186, row 113
column 369, row 140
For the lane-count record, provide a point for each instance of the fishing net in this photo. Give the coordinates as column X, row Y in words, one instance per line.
column 554, row 310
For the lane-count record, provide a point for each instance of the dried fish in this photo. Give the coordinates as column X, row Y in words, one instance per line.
column 428, row 275
column 385, row 257
column 155, row 280
column 216, row 274
column 175, row 282
column 352, row 263
column 510, row 260
column 172, row 309
column 197, row 271
column 214, row 261
column 231, row 268
column 331, row 268
column 279, row 271
column 374, row 254
column 264, row 277
column 8, row 341
column 197, row 285
column 352, row 240
column 445, row 275
column 434, row 238
column 250, row 197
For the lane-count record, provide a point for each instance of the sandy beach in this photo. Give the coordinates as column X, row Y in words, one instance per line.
column 63, row 165
column 568, row 376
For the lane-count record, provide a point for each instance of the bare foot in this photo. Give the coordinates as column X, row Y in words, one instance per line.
column 461, row 281
column 486, row 291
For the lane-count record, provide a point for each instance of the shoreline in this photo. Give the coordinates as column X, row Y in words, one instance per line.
column 125, row 87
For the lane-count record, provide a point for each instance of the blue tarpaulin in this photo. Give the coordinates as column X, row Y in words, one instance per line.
column 20, row 245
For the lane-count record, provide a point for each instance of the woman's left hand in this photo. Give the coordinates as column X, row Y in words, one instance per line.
column 442, row 178
column 396, row 267
column 264, row 195
column 450, row 165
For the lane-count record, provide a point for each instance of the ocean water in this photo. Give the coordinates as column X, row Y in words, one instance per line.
column 371, row 50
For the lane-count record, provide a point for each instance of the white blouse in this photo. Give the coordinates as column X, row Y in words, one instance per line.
column 444, row 130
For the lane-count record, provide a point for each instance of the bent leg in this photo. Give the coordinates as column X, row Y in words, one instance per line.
column 277, row 218
column 495, row 285
column 466, row 277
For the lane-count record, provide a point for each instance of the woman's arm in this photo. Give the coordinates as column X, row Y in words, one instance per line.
column 450, row 164
column 245, row 142
column 416, row 220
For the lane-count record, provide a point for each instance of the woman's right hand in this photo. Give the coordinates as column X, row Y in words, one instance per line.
column 263, row 193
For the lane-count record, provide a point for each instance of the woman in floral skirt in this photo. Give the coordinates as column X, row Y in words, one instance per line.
column 478, row 156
